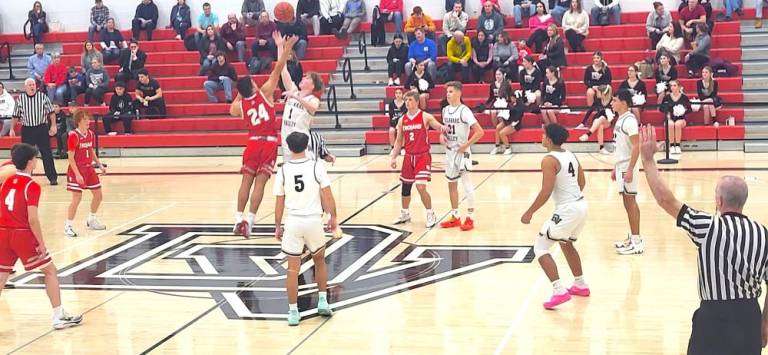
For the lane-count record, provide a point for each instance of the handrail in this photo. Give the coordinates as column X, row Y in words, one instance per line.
column 10, row 60
column 362, row 47
column 333, row 105
column 346, row 73
column 27, row 35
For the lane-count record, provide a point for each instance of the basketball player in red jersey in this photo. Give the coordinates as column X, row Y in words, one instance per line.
column 256, row 107
column 20, row 234
column 81, row 175
column 412, row 135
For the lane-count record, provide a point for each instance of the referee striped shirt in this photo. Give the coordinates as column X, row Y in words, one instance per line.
column 33, row 110
column 733, row 253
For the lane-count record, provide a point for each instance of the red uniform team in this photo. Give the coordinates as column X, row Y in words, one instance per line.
column 81, row 174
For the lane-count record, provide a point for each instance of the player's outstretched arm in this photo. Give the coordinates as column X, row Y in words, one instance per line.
column 268, row 88
column 286, row 76
column 663, row 195
column 549, row 168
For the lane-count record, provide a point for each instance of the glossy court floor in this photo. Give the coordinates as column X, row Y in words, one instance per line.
column 168, row 277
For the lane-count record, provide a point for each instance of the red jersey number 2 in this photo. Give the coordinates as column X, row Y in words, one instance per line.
column 257, row 117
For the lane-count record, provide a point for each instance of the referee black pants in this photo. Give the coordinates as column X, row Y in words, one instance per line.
column 726, row 327
column 38, row 136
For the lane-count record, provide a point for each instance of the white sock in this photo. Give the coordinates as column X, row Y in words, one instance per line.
column 68, row 223
column 251, row 217
column 470, row 214
column 91, row 216
column 579, row 281
column 455, row 213
column 558, row 288
column 636, row 238
column 322, row 294
column 293, row 307
column 58, row 312
column 430, row 211
column 238, row 216
column 404, row 211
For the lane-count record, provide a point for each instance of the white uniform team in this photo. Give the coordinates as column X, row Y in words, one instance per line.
column 626, row 126
column 459, row 120
column 570, row 212
column 300, row 181
column 297, row 119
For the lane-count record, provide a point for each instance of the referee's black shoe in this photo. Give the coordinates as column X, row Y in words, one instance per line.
column 54, row 182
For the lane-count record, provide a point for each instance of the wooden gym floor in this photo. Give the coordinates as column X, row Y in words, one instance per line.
column 429, row 292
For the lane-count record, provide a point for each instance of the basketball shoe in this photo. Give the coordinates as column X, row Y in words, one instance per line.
column 242, row 228
column 293, row 317
column 404, row 217
column 557, row 300
column 431, row 219
column 69, row 231
column 452, row 221
column 65, row 320
column 323, row 308
column 633, row 248
column 93, row 223
column 579, row 291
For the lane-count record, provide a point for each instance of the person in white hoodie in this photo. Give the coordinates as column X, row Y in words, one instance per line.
column 331, row 16
column 7, row 105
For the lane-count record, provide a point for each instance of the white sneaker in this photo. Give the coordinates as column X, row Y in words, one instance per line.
column 633, row 248
column 508, row 151
column 69, row 231
column 113, row 133
column 93, row 223
column 623, row 243
column 402, row 152
column 581, row 126
column 397, row 81
column 66, row 321
column 431, row 219
column 495, row 150
column 605, row 152
column 404, row 217
column 584, row 137
column 390, row 82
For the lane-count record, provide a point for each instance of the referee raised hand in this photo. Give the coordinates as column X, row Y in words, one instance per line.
column 732, row 258
column 38, row 124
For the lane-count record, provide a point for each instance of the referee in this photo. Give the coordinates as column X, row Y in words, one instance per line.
column 733, row 254
column 38, row 124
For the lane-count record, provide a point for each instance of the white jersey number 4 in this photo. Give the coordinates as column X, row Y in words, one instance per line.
column 257, row 117
column 9, row 200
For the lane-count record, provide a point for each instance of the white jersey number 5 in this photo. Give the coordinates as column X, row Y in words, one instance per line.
column 257, row 117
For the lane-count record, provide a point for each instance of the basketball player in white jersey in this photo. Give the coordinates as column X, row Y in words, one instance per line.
column 564, row 181
column 303, row 189
column 626, row 170
column 459, row 121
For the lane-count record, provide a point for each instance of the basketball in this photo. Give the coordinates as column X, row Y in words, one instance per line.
column 284, row 12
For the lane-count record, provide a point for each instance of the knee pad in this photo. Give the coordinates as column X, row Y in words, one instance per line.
column 469, row 190
column 542, row 245
column 406, row 190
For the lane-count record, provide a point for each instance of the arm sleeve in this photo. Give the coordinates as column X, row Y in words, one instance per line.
column 278, row 189
column 32, row 194
column 696, row 223
column 322, row 176
column 72, row 141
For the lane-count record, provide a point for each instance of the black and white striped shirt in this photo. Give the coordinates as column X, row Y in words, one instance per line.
column 33, row 110
column 733, row 253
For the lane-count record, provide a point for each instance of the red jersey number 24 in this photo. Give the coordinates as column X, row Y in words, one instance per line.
column 257, row 117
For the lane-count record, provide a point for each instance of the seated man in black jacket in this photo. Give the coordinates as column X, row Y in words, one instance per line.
column 131, row 61
column 120, row 109
column 295, row 28
column 149, row 96
column 145, row 18
column 221, row 75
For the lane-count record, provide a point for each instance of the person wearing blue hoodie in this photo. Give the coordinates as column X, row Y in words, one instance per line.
column 354, row 13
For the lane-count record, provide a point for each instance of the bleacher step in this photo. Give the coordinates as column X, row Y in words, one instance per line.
column 362, row 77
column 754, row 39
column 754, row 53
column 756, row 131
column 755, row 83
column 760, row 146
column 347, row 151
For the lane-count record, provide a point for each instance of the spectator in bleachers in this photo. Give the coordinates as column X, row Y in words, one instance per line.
column 699, row 56
column 553, row 95
column 576, row 26
column 38, row 21
column 7, row 105
column 561, row 6
column 554, row 51
column 422, row 50
column 251, row 10
column 482, row 56
column 211, row 44
column 221, row 75
column 89, row 53
column 354, row 13
column 295, row 71
column 181, row 19
column 149, row 96
column 611, row 7
column 144, row 19
column 111, row 42
column 759, row 4
column 64, row 124
column 132, row 60
column 506, row 57
column 455, row 20
column 233, row 33
column 635, row 85
column 395, row 111
column 689, row 16
column 491, row 21
column 204, row 20
column 421, row 81
column 670, row 44
column 603, row 116
column 665, row 73
column 55, row 80
column 495, row 3
column 522, row 50
column 264, row 42
column 121, row 109
column 99, row 16
column 522, row 8
column 497, row 89
column 308, row 11
column 509, row 119
column 332, row 16
column 295, row 28
column 538, row 25
column 397, row 56
column 449, row 4
column 97, row 81
column 595, row 75
column 392, row 11
column 657, row 23
column 75, row 85
column 676, row 107
column 38, row 63
column 707, row 90
column 705, row 3
column 530, row 78
column 731, row 6
column 419, row 20
column 459, row 55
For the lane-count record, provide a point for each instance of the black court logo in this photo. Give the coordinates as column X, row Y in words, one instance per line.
column 247, row 278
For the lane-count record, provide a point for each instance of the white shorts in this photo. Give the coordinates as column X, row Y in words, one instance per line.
column 456, row 164
column 627, row 188
column 566, row 223
column 303, row 231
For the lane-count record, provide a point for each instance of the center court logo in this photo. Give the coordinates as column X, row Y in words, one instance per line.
column 247, row 279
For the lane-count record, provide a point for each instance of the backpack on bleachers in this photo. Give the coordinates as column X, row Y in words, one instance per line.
column 723, row 68
column 645, row 69
column 190, row 43
column 378, row 33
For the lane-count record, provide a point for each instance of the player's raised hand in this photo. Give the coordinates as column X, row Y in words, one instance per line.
column 648, row 145
column 278, row 38
column 290, row 42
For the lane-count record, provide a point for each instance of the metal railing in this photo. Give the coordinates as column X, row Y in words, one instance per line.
column 28, row 35
column 333, row 104
column 10, row 59
column 346, row 73
column 362, row 47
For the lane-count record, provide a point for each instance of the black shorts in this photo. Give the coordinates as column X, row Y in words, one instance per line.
column 726, row 327
column 675, row 119
column 393, row 123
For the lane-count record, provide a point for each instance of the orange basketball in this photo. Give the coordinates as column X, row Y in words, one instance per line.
column 284, row 12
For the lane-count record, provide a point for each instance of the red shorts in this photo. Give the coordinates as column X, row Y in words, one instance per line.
column 21, row 244
column 90, row 179
column 259, row 157
column 416, row 168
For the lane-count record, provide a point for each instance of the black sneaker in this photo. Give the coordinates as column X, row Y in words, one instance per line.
column 54, row 182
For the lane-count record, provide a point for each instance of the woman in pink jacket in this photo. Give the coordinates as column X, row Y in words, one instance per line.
column 392, row 10
column 538, row 25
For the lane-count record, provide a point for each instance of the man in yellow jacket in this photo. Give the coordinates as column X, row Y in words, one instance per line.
column 459, row 54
